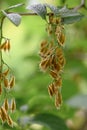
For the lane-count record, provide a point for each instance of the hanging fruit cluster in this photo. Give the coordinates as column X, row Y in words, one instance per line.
column 7, row 82
column 52, row 57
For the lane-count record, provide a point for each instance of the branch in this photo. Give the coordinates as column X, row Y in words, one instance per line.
column 82, row 5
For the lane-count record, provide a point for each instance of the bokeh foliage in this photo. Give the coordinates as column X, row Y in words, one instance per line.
column 31, row 84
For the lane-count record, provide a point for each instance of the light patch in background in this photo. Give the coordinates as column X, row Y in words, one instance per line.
column 30, row 2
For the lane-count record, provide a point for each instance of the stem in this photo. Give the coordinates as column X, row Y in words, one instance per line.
column 82, row 4
column 1, row 36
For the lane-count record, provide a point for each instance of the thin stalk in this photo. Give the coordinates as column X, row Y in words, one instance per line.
column 1, row 36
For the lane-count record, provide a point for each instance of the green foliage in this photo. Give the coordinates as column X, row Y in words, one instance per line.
column 68, row 15
column 51, row 121
column 31, row 89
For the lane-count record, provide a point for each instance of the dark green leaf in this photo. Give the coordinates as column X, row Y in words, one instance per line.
column 51, row 121
column 13, row 17
column 38, row 9
column 78, row 101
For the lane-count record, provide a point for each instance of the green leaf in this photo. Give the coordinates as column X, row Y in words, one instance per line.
column 51, row 121
column 71, row 17
column 13, row 17
column 38, row 9
column 54, row 9
column 68, row 15
column 78, row 101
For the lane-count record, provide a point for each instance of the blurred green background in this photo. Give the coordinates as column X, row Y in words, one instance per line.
column 30, row 90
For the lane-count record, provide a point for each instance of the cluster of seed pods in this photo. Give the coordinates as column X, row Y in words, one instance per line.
column 52, row 57
column 7, row 82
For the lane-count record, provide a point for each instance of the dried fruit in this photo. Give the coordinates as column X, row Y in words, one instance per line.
column 13, row 105
column 12, row 82
column 6, row 104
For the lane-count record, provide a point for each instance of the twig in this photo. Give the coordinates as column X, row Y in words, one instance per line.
column 82, row 4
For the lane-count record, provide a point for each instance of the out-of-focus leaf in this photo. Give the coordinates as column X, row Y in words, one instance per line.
column 32, row 57
column 13, row 17
column 78, row 101
column 36, row 103
column 39, row 9
column 15, row 6
column 51, row 121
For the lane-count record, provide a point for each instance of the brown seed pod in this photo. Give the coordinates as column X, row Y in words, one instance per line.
column 44, row 64
column 13, row 105
column 58, row 82
column 51, row 90
column 8, row 45
column 53, row 74
column 49, row 29
column 12, row 82
column 51, row 16
column 43, row 52
column 3, row 114
column 6, row 82
column 62, row 61
column 9, row 121
column 58, row 31
column 2, row 46
column 58, row 52
column 57, row 67
column 43, row 44
column 58, row 100
column 61, row 39
column 6, row 104
column 5, row 73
